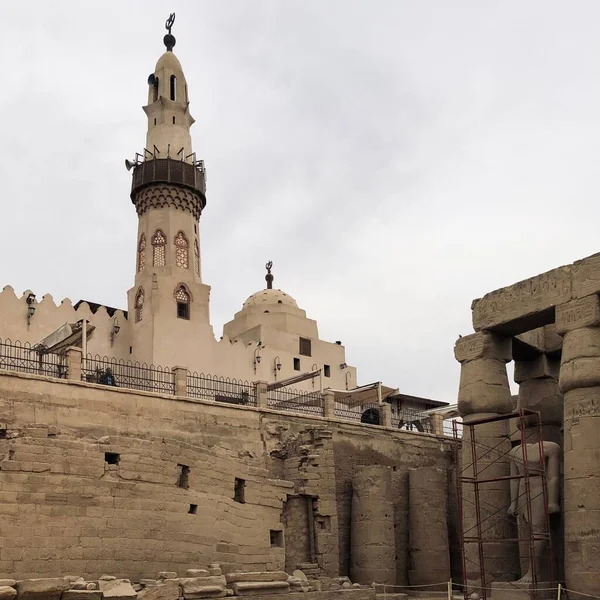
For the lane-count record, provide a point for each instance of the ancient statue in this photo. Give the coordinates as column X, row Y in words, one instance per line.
column 534, row 517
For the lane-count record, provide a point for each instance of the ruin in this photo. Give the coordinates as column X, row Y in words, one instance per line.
column 550, row 326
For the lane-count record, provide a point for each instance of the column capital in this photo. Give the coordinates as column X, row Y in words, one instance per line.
column 483, row 344
column 577, row 314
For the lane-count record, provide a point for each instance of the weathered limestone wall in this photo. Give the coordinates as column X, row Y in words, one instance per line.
column 372, row 552
column 428, row 531
column 402, row 451
column 66, row 508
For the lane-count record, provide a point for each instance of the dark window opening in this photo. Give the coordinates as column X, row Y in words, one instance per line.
column 155, row 120
column 183, row 310
column 195, row 228
column 239, row 490
column 130, row 349
column 193, row 509
column 155, row 92
column 276, row 538
column 266, row 311
column 173, row 82
column 173, row 120
column 279, row 302
column 305, row 347
column 2, row 434
column 296, row 364
column 112, row 458
column 183, row 478
column 327, row 370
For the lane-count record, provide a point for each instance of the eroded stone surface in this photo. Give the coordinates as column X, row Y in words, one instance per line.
column 255, row 588
column 169, row 590
column 42, row 589
column 7, row 592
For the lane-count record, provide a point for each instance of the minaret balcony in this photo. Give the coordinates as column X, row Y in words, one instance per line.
column 169, row 170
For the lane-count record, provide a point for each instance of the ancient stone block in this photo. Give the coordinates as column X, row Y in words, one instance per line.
column 586, row 276
column 167, row 575
column 7, row 592
column 203, row 587
column 169, row 590
column 257, row 576
column 255, row 588
column 117, row 589
column 483, row 344
column 82, row 595
column 42, row 589
column 193, row 573
column 522, row 301
column 7, row 582
column 584, row 312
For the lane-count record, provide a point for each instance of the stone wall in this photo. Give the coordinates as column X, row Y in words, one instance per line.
column 370, row 445
column 92, row 480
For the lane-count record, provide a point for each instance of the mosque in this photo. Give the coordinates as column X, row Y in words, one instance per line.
column 167, row 321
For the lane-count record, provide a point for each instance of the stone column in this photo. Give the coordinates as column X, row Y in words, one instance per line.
column 385, row 410
column 579, row 323
column 74, row 363
column 538, row 390
column 372, row 550
column 328, row 404
column 428, row 551
column 180, row 374
column 484, row 392
column 261, row 394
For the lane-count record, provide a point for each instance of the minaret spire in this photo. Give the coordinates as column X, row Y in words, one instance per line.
column 169, row 301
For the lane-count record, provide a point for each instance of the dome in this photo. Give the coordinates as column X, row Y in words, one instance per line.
column 268, row 297
column 169, row 61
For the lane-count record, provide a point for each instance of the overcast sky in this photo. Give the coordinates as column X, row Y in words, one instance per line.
column 395, row 159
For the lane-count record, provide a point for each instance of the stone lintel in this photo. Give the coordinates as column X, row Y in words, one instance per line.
column 539, row 367
column 483, row 344
column 577, row 314
column 530, row 303
column 525, row 305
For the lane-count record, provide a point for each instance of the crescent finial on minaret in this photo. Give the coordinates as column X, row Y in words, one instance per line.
column 169, row 39
column 269, row 276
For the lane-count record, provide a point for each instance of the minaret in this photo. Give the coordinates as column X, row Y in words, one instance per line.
column 169, row 304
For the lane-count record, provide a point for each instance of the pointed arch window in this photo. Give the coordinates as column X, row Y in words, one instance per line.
column 142, row 253
column 197, row 258
column 159, row 241
column 173, row 83
column 181, row 251
column 182, row 297
column 139, row 305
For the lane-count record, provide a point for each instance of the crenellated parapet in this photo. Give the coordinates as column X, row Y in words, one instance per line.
column 16, row 322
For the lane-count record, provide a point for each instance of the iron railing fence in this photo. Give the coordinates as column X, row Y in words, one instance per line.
column 127, row 374
column 298, row 401
column 22, row 357
column 410, row 419
column 220, row 389
column 449, row 429
column 370, row 414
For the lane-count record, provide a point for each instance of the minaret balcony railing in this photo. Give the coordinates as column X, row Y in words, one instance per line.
column 169, row 170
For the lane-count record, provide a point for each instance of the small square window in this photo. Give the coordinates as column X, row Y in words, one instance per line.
column 193, row 509
column 296, row 364
column 239, row 490
column 112, row 458
column 327, row 370
column 183, row 478
column 183, row 310
column 305, row 347
column 276, row 538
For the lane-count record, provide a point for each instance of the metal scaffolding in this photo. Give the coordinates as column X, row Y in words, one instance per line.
column 470, row 474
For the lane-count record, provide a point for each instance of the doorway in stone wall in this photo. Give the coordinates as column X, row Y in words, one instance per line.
column 298, row 522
